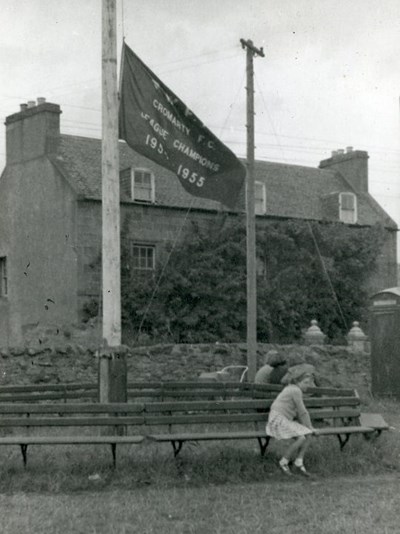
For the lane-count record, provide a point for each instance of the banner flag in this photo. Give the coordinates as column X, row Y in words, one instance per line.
column 156, row 123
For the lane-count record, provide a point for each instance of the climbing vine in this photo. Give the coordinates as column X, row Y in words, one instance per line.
column 305, row 271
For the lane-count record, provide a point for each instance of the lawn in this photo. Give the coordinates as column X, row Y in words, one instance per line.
column 353, row 504
column 214, row 488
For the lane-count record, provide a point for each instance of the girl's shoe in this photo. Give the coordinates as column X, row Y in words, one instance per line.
column 285, row 469
column 301, row 470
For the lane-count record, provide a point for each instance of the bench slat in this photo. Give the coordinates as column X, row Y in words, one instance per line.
column 208, row 436
column 70, row 421
column 194, row 419
column 33, row 397
column 47, row 387
column 193, row 436
column 65, row 440
column 72, row 408
column 249, row 417
column 328, row 431
column 180, row 406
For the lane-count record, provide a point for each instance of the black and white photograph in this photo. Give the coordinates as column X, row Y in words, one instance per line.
column 199, row 267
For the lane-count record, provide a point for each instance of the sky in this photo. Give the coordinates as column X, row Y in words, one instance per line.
column 330, row 77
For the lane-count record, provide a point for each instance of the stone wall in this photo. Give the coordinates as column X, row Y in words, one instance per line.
column 73, row 362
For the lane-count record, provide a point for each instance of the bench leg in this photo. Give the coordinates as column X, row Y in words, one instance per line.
column 263, row 443
column 24, row 448
column 114, row 453
column 372, row 435
column 177, row 446
column 343, row 440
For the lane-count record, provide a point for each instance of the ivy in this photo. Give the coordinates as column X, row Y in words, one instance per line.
column 305, row 271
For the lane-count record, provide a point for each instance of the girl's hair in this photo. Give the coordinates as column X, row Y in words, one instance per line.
column 299, row 377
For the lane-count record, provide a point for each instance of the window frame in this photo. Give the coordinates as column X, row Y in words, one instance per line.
column 263, row 199
column 152, row 185
column 148, row 246
column 343, row 212
column 3, row 277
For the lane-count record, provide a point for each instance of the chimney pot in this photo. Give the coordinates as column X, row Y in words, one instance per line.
column 334, row 153
column 41, row 100
column 340, row 151
column 23, row 107
column 349, row 149
column 31, row 103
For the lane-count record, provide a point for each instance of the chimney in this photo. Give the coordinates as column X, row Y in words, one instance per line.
column 33, row 131
column 351, row 164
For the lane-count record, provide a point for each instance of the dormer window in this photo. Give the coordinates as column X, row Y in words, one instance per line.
column 142, row 185
column 138, row 184
column 348, row 208
column 260, row 198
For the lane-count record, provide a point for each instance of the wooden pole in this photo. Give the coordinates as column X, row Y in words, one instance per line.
column 111, row 277
column 250, row 217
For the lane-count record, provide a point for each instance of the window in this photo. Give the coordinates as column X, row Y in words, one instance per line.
column 142, row 185
column 143, row 257
column 348, row 207
column 3, row 277
column 260, row 206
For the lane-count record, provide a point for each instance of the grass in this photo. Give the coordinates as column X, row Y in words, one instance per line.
column 352, row 505
column 214, row 488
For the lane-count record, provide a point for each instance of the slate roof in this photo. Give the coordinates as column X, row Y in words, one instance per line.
column 292, row 190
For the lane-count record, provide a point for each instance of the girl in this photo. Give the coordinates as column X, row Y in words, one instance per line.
column 289, row 418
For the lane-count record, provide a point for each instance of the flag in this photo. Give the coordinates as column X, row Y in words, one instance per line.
column 156, row 123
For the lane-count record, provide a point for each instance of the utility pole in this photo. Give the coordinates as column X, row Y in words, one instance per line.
column 251, row 51
column 112, row 365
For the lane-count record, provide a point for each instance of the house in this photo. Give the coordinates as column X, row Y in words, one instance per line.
column 50, row 214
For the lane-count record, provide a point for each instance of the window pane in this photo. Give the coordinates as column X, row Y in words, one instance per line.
column 142, row 193
column 149, row 258
column 143, row 186
column 259, row 191
column 259, row 198
column 142, row 177
column 347, row 216
column 143, row 257
column 347, row 202
column 348, row 211
column 3, row 277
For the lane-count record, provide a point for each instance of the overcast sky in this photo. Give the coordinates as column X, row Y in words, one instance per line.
column 330, row 77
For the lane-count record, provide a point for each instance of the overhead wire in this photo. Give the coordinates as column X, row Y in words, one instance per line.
column 310, row 229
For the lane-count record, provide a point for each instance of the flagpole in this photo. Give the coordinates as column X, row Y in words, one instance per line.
column 112, row 365
column 250, row 216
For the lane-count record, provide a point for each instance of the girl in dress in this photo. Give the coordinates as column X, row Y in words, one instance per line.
column 289, row 418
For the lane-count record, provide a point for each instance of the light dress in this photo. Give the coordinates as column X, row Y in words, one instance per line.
column 288, row 406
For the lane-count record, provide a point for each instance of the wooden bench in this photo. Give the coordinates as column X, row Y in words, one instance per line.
column 246, row 419
column 41, row 424
column 175, row 422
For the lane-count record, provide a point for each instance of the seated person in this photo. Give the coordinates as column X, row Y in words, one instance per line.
column 273, row 369
column 279, row 368
column 262, row 375
column 300, row 368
